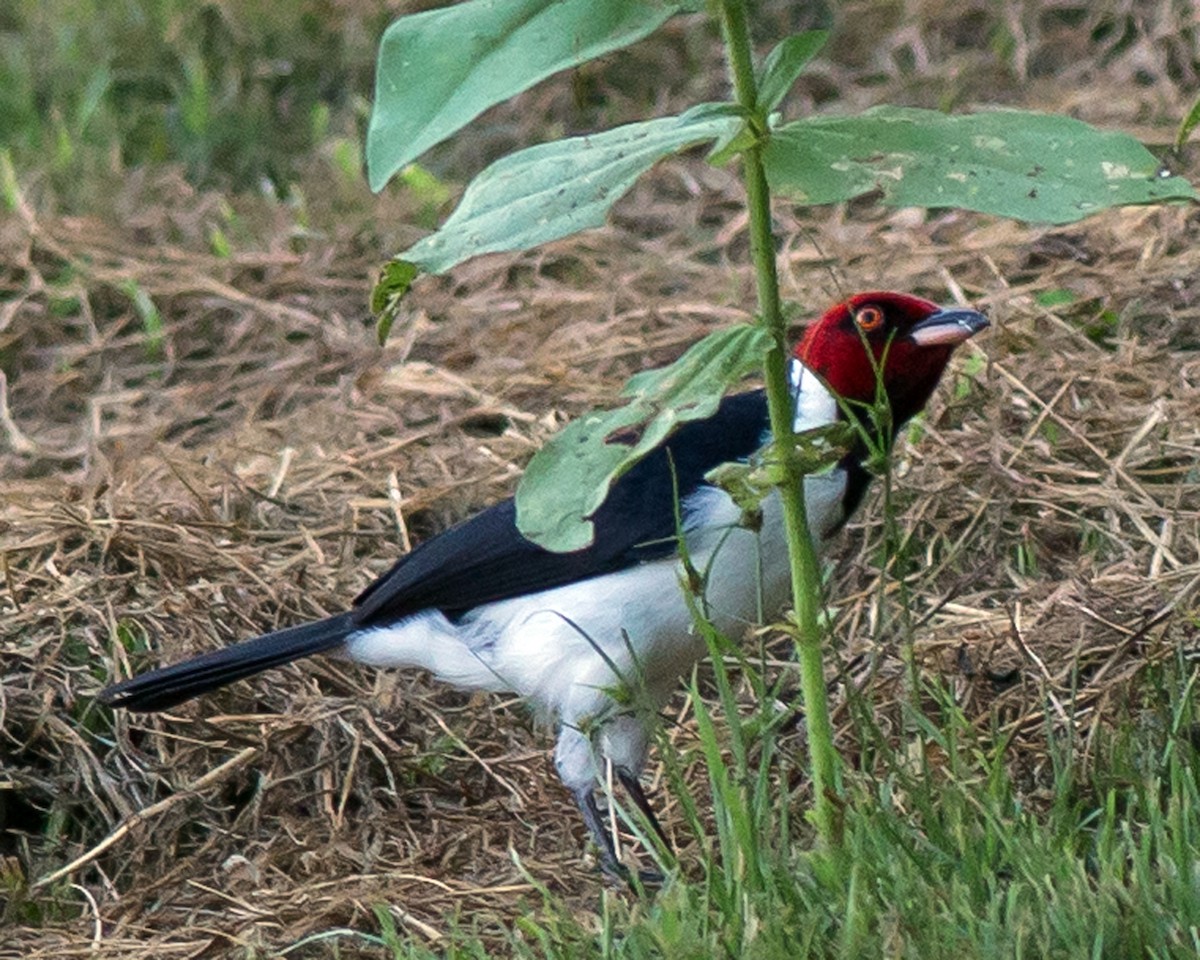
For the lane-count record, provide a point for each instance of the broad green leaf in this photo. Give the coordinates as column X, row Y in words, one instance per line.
column 551, row 191
column 439, row 70
column 1030, row 166
column 558, row 188
column 783, row 65
column 570, row 476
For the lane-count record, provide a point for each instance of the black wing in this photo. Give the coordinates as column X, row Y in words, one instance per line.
column 485, row 558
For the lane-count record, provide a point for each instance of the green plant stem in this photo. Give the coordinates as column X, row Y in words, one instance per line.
column 806, row 582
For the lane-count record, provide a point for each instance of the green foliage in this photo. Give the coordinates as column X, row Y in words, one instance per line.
column 1187, row 125
column 1058, row 297
column 950, row 860
column 594, row 450
column 558, row 188
column 430, row 192
column 782, row 66
column 218, row 242
column 810, row 452
column 440, row 69
column 1028, row 166
column 148, row 313
column 1102, row 328
column 231, row 90
column 10, row 191
column 968, row 374
column 394, row 280
column 1025, row 558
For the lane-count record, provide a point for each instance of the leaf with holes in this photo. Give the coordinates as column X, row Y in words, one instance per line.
column 1029, row 166
column 546, row 192
column 570, row 476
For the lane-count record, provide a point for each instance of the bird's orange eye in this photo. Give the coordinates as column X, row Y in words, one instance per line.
column 869, row 318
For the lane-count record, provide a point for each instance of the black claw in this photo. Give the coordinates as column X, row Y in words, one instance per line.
column 634, row 788
column 651, row 878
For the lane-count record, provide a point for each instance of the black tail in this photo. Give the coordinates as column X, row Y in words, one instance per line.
column 160, row 689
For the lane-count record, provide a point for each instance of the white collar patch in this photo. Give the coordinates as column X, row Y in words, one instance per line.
column 815, row 406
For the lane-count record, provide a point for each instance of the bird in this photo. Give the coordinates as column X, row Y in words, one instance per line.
column 597, row 639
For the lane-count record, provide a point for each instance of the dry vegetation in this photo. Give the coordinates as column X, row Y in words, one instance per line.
column 262, row 459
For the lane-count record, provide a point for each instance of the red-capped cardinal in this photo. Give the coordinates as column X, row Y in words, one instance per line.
column 481, row 607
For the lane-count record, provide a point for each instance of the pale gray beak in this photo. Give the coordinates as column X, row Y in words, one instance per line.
column 949, row 326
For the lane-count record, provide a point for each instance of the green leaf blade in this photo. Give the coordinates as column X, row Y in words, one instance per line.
column 1029, row 166
column 440, row 69
column 1187, row 125
column 784, row 64
column 558, row 188
column 571, row 475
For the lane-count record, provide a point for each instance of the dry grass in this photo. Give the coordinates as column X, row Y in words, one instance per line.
column 263, row 459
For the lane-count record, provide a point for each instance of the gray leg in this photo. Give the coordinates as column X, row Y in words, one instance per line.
column 585, row 797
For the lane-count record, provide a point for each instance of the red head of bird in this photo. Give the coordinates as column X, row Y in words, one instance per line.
column 899, row 341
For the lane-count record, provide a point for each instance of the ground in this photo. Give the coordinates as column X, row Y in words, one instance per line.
column 251, row 458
